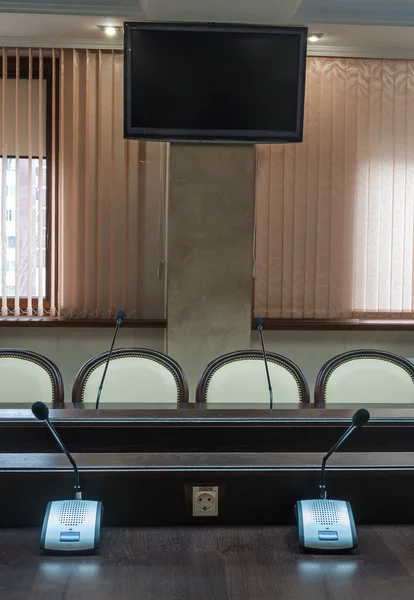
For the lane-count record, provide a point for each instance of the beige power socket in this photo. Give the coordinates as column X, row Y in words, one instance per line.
column 205, row 501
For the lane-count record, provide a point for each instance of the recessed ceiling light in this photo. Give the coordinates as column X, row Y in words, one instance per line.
column 110, row 30
column 315, row 37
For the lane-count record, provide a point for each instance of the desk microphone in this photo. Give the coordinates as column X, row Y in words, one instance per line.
column 259, row 327
column 69, row 525
column 119, row 320
column 329, row 524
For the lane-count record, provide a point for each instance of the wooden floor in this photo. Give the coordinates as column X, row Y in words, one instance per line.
column 209, row 563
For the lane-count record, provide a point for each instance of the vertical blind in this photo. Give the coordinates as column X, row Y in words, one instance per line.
column 335, row 214
column 111, row 197
column 26, row 165
column 82, row 209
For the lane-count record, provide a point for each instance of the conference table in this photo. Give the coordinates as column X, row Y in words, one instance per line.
column 262, row 460
column 213, row 563
column 142, row 460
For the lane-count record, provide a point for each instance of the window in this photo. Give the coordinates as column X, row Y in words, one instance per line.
column 335, row 214
column 84, row 209
column 25, row 197
column 10, row 190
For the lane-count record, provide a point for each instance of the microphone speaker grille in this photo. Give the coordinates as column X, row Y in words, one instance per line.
column 325, row 512
column 73, row 512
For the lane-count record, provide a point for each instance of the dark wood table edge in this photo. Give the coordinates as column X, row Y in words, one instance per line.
column 274, row 462
column 202, row 417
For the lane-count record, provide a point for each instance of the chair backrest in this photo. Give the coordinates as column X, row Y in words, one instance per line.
column 362, row 376
column 27, row 377
column 240, row 377
column 134, row 375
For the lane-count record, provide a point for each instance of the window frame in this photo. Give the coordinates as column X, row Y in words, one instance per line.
column 50, row 160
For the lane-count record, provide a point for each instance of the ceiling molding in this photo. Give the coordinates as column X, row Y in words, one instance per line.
column 117, row 9
column 58, row 43
column 358, row 52
column 347, row 19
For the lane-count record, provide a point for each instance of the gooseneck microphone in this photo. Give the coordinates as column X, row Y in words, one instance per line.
column 358, row 420
column 41, row 412
column 329, row 524
column 119, row 320
column 259, row 327
column 69, row 525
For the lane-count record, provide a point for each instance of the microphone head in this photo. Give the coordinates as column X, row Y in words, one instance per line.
column 360, row 417
column 259, row 322
column 40, row 411
column 121, row 315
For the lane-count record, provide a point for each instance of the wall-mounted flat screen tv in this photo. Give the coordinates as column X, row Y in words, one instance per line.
column 214, row 82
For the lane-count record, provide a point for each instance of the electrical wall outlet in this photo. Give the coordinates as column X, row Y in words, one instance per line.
column 205, row 501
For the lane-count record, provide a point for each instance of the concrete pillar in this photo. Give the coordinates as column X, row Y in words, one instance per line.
column 210, row 242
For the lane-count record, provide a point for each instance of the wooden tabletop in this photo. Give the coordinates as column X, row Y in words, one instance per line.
column 212, row 563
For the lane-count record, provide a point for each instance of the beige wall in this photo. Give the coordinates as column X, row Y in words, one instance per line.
column 70, row 348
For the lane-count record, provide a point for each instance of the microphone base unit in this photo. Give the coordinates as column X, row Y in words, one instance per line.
column 72, row 526
column 326, row 525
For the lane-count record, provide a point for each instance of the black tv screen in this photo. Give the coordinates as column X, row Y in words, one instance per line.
column 214, row 82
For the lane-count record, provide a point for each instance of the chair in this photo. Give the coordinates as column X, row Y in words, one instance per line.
column 28, row 377
column 240, row 377
column 134, row 375
column 362, row 376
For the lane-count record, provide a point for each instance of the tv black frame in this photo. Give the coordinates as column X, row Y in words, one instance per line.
column 248, row 136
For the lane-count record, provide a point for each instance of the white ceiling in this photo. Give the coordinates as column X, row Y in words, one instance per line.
column 361, row 41
column 74, row 7
column 378, row 28
column 369, row 12
column 247, row 11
